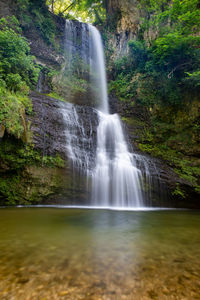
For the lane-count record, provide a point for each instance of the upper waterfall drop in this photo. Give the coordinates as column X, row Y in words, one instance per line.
column 97, row 68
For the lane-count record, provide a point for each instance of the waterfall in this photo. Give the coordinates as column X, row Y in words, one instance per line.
column 97, row 69
column 76, row 37
column 115, row 178
column 115, row 175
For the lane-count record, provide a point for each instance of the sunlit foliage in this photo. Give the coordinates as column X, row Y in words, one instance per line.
column 83, row 10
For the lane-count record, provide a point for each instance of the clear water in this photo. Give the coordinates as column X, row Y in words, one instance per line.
column 49, row 253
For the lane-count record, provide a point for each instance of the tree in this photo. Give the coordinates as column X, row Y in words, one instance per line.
column 52, row 6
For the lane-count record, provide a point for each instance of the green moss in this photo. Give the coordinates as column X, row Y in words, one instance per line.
column 184, row 166
column 12, row 113
column 133, row 122
column 51, row 161
column 9, row 187
column 154, row 140
column 17, row 155
column 56, row 96
column 17, row 184
column 179, row 192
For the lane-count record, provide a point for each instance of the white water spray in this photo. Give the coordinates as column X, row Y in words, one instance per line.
column 115, row 179
column 97, row 68
column 111, row 168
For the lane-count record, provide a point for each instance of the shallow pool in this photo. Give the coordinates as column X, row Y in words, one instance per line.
column 49, row 253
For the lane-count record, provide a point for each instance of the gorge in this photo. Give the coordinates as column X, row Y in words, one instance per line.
column 99, row 150
column 170, row 177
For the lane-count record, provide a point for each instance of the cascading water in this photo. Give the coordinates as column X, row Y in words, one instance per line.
column 115, row 179
column 97, row 69
column 114, row 176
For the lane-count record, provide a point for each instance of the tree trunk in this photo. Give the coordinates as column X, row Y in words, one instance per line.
column 112, row 6
column 52, row 6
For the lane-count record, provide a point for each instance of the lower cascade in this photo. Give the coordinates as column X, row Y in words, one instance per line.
column 113, row 174
column 115, row 179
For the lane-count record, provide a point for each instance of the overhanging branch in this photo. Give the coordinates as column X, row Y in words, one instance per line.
column 68, row 7
column 177, row 67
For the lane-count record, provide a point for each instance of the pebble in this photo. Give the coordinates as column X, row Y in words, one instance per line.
column 40, row 287
column 63, row 293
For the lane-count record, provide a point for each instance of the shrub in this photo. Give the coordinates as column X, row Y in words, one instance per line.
column 16, row 64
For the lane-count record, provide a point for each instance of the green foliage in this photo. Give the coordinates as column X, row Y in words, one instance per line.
column 181, row 15
column 183, row 165
column 194, row 78
column 35, row 14
column 175, row 50
column 17, row 67
column 162, row 72
column 139, row 54
column 166, row 67
column 12, row 113
column 14, row 156
column 125, row 89
column 45, row 25
column 67, row 86
column 9, row 187
column 156, row 141
column 53, row 161
column 56, row 96
column 179, row 192
column 18, row 73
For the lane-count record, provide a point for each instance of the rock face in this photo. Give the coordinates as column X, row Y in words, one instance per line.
column 5, row 8
column 45, row 53
column 49, row 127
column 127, row 16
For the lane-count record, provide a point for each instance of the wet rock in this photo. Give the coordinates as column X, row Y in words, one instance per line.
column 5, row 8
column 49, row 128
column 57, row 185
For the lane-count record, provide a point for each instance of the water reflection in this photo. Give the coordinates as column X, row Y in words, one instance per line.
column 81, row 254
